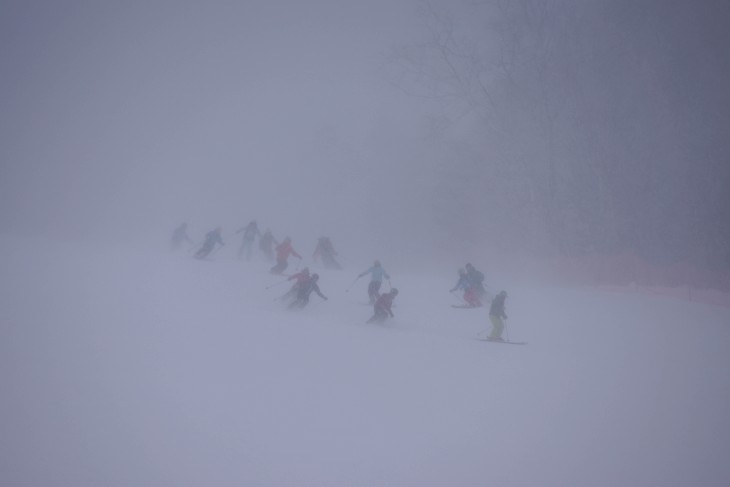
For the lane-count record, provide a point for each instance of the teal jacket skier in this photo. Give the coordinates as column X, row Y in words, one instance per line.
column 377, row 274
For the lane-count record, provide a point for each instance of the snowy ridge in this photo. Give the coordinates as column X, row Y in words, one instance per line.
column 131, row 369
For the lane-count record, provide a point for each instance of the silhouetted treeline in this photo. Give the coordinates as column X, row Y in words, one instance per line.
column 601, row 126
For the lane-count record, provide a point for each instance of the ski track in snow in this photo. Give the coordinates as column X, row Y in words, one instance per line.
column 131, row 369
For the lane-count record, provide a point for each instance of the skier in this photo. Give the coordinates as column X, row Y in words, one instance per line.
column 383, row 307
column 462, row 283
column 470, row 291
column 496, row 315
column 326, row 251
column 476, row 284
column 180, row 235
column 211, row 238
column 300, row 278
column 377, row 273
column 250, row 232
column 266, row 244
column 283, row 250
column 305, row 289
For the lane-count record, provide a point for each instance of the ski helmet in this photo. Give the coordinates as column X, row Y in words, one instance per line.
column 394, row 291
column 315, row 277
column 503, row 294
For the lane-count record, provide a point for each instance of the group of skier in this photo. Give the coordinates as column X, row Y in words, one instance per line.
column 306, row 283
column 471, row 280
column 272, row 249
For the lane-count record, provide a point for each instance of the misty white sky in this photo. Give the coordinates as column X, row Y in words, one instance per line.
column 124, row 118
column 600, row 131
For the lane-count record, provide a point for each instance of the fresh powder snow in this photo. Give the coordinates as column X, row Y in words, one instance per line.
column 132, row 368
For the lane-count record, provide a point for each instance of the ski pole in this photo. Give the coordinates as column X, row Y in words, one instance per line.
column 353, row 283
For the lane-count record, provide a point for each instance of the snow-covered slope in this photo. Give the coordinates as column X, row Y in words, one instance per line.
column 121, row 368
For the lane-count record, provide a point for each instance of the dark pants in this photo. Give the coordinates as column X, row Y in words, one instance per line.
column 300, row 302
column 374, row 291
column 281, row 264
column 204, row 251
column 302, row 299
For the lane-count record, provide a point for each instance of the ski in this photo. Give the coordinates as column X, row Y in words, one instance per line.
column 505, row 342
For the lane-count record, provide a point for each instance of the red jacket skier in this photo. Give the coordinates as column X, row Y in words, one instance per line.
column 305, row 289
column 383, row 307
column 300, row 277
column 283, row 251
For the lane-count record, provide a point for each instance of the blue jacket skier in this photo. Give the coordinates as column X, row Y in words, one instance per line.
column 462, row 283
column 377, row 274
column 211, row 238
column 470, row 284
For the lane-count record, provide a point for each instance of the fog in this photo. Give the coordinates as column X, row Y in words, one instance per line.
column 553, row 127
column 120, row 121
column 575, row 151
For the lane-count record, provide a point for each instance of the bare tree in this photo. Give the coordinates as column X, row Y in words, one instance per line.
column 598, row 121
